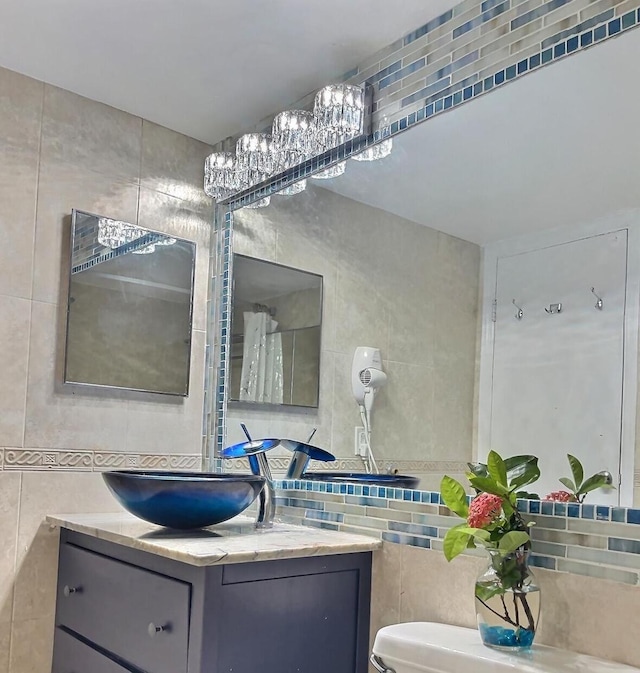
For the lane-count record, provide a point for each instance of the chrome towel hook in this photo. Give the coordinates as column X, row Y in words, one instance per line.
column 554, row 308
column 519, row 312
column 599, row 303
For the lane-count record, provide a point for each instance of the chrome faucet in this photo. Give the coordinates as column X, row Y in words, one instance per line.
column 255, row 451
column 303, row 452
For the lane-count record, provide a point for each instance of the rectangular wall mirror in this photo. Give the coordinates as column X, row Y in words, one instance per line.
column 130, row 307
column 276, row 328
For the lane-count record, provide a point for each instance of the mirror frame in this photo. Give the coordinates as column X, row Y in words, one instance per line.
column 74, row 213
column 275, row 407
column 216, row 410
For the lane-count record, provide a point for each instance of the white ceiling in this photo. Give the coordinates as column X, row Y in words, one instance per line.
column 558, row 147
column 207, row 68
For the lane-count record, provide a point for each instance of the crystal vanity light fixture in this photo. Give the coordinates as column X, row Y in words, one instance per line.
column 294, row 135
column 147, row 250
column 375, row 152
column 297, row 135
column 255, row 162
column 220, row 175
column 114, row 233
column 339, row 113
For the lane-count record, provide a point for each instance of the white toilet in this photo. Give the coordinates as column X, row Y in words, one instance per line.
column 425, row 647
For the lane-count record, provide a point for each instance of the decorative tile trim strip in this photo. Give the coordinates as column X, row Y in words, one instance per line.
column 592, row 540
column 96, row 461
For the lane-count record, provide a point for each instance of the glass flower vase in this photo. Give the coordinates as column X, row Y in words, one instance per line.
column 507, row 600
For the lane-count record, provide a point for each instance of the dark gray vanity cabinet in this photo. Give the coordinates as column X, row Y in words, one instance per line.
column 120, row 610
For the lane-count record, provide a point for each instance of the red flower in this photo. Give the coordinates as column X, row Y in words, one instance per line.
column 484, row 509
column 560, row 496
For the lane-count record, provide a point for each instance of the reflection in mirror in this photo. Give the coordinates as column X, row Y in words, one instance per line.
column 130, row 307
column 409, row 243
column 276, row 326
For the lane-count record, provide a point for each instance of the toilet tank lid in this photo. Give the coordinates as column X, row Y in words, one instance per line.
column 443, row 648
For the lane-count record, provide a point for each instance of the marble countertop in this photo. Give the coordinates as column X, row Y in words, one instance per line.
column 235, row 541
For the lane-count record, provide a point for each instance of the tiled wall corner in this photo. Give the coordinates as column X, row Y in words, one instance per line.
column 60, row 151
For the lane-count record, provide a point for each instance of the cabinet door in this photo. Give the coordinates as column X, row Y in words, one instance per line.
column 304, row 624
column 114, row 605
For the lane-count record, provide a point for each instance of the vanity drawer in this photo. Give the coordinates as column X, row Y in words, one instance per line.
column 71, row 655
column 136, row 614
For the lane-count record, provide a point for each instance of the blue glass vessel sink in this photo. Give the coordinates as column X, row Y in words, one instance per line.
column 392, row 480
column 183, row 499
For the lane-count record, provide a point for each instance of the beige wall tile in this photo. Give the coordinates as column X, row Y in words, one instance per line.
column 62, row 188
column 36, row 573
column 434, row 590
column 64, row 416
column 173, row 216
column 386, row 587
column 5, row 644
column 605, row 632
column 173, row 163
column 20, row 120
column 403, row 413
column 80, row 132
column 37, row 560
column 167, row 424
column 14, row 337
column 254, row 234
column 451, row 429
column 9, row 508
column 20, row 111
column 32, row 646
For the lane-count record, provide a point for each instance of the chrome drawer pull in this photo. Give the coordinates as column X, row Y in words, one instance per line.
column 154, row 630
column 377, row 663
column 67, row 590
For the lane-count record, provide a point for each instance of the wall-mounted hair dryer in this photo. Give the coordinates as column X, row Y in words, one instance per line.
column 367, row 378
column 366, row 373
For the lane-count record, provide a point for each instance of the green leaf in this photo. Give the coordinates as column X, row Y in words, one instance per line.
column 485, row 592
column 596, row 481
column 455, row 542
column 488, row 485
column 512, row 540
column 525, row 495
column 576, row 471
column 529, row 474
column 569, row 484
column 497, row 468
column 479, row 533
column 479, row 469
column 454, row 496
column 517, row 464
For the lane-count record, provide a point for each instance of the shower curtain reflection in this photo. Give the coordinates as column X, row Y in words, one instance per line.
column 262, row 367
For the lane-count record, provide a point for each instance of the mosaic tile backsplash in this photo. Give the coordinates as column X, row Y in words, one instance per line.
column 593, row 540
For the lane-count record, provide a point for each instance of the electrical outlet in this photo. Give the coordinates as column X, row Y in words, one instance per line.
column 360, row 442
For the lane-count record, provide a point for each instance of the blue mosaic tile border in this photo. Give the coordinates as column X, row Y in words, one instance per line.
column 439, row 95
column 592, row 540
column 543, row 507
